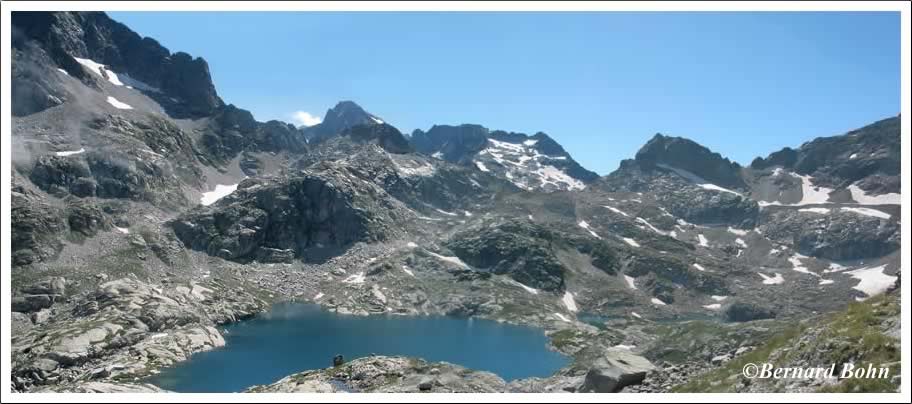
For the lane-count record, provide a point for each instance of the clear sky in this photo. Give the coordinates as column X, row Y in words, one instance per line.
column 601, row 84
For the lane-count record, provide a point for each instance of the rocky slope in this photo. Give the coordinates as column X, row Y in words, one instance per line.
column 146, row 212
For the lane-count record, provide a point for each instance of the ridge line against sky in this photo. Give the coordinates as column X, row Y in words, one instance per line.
column 601, row 84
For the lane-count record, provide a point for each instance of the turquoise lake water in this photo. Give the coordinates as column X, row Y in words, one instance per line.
column 292, row 337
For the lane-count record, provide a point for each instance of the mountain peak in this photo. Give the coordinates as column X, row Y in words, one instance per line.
column 688, row 155
column 344, row 115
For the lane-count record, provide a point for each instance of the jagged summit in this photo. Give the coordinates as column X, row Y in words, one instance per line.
column 337, row 119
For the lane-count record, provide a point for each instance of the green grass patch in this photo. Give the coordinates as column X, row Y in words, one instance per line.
column 849, row 336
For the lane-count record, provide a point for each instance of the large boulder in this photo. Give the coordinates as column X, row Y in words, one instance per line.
column 743, row 311
column 32, row 303
column 615, row 369
column 51, row 286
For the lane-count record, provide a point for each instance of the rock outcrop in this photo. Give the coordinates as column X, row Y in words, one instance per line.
column 125, row 327
column 297, row 212
column 385, row 374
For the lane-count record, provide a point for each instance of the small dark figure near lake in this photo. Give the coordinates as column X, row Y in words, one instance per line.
column 338, row 360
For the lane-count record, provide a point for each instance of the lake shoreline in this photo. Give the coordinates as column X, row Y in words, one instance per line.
column 280, row 319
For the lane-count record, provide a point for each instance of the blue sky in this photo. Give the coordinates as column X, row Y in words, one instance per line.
column 601, row 84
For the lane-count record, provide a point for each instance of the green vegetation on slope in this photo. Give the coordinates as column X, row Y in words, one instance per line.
column 855, row 335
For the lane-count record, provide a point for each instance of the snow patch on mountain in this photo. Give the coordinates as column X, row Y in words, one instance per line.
column 569, row 303
column 70, row 153
column 873, row 280
column 867, row 212
column 562, row 317
column 92, row 65
column 737, row 232
column 651, row 227
column 741, row 242
column 554, row 176
column 219, row 192
column 585, row 226
column 697, row 180
column 117, row 103
column 771, row 280
column 452, row 260
column 798, row 266
column 355, row 279
column 415, row 169
column 631, row 282
column 820, row 211
column 631, row 242
column 860, row 196
column 527, row 289
column 112, row 77
column 616, row 210
column 810, row 194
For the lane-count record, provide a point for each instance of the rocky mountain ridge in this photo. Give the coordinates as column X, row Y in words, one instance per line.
column 534, row 162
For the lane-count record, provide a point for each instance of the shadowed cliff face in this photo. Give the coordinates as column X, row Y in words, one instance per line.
column 95, row 36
